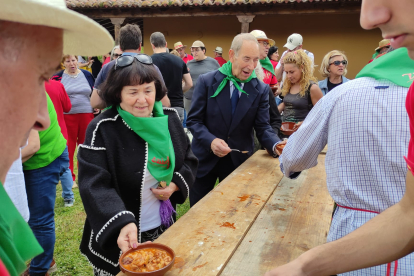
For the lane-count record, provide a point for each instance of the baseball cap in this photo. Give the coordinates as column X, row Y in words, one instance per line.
column 293, row 41
column 197, row 43
column 218, row 50
column 260, row 35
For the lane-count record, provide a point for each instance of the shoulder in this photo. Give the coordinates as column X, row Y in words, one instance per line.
column 344, row 80
column 212, row 60
column 58, row 76
column 87, row 73
column 323, row 83
column 110, row 115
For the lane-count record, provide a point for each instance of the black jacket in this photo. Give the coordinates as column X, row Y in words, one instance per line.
column 112, row 164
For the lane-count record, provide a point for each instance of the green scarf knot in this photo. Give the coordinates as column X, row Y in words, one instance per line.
column 266, row 64
column 154, row 130
column 395, row 66
column 226, row 70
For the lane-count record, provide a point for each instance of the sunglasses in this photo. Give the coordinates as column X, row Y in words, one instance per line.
column 337, row 62
column 125, row 61
column 117, row 55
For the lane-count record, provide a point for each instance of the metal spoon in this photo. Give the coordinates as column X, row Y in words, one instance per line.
column 241, row 151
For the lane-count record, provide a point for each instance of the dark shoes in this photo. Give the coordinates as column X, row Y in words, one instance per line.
column 53, row 268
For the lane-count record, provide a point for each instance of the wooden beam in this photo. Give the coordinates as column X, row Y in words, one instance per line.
column 234, row 10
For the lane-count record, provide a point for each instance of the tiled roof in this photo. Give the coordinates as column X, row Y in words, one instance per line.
column 110, row 4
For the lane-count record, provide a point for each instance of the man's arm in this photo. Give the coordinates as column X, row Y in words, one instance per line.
column 385, row 238
column 265, row 134
column 166, row 101
column 96, row 100
column 188, row 82
column 303, row 147
column 275, row 118
column 196, row 116
column 33, row 145
column 279, row 72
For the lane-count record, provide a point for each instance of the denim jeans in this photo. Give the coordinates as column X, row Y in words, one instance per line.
column 41, row 194
column 66, row 177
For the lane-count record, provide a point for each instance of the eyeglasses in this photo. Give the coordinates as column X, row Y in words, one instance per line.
column 125, row 61
column 195, row 50
column 117, row 55
column 338, row 62
column 265, row 43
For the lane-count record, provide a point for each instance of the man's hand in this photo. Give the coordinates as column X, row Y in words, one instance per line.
column 219, row 147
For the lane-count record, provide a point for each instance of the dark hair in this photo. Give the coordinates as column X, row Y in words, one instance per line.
column 130, row 37
column 272, row 50
column 203, row 49
column 158, row 40
column 134, row 74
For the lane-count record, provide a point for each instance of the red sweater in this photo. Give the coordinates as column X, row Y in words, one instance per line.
column 61, row 101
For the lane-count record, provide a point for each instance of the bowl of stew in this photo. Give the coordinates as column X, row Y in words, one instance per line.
column 288, row 128
column 153, row 259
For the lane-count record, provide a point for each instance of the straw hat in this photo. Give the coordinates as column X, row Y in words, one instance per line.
column 260, row 35
column 179, row 45
column 197, row 44
column 81, row 35
column 383, row 43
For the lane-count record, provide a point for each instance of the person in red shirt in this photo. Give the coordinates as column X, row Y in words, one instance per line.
column 218, row 56
column 62, row 103
column 264, row 44
column 181, row 50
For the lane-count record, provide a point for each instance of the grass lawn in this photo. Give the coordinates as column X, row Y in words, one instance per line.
column 69, row 229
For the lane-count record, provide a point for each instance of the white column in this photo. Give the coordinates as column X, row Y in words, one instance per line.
column 117, row 24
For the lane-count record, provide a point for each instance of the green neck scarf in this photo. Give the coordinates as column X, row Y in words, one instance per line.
column 396, row 67
column 226, row 70
column 154, row 130
column 266, row 64
column 17, row 242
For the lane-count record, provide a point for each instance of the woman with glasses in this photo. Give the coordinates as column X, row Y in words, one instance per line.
column 299, row 90
column 333, row 69
column 135, row 165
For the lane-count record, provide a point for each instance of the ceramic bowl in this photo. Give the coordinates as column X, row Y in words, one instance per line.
column 288, row 128
column 159, row 272
column 280, row 148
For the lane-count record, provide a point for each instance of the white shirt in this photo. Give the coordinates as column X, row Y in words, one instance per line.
column 366, row 126
column 150, row 210
column 232, row 87
column 279, row 64
column 16, row 188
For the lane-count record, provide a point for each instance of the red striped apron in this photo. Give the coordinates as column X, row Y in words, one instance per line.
column 389, row 264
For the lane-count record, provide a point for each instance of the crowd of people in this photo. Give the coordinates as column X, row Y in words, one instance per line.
column 147, row 103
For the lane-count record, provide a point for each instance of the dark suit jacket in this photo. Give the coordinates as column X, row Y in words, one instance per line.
column 211, row 118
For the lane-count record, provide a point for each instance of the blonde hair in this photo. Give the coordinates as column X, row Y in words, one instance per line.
column 303, row 62
column 327, row 59
column 175, row 53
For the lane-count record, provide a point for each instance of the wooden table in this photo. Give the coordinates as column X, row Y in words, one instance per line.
column 252, row 221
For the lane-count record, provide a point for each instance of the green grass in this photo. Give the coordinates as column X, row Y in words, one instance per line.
column 69, row 228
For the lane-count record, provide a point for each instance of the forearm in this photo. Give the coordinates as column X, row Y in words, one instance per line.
column 166, row 101
column 384, row 239
column 83, row 64
column 96, row 100
column 186, row 87
column 279, row 73
column 32, row 147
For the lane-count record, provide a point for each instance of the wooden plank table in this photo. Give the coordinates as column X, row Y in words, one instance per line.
column 252, row 221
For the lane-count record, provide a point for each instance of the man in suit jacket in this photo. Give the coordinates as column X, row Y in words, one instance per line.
column 227, row 104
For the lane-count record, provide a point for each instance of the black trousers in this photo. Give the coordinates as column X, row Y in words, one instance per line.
column 205, row 184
